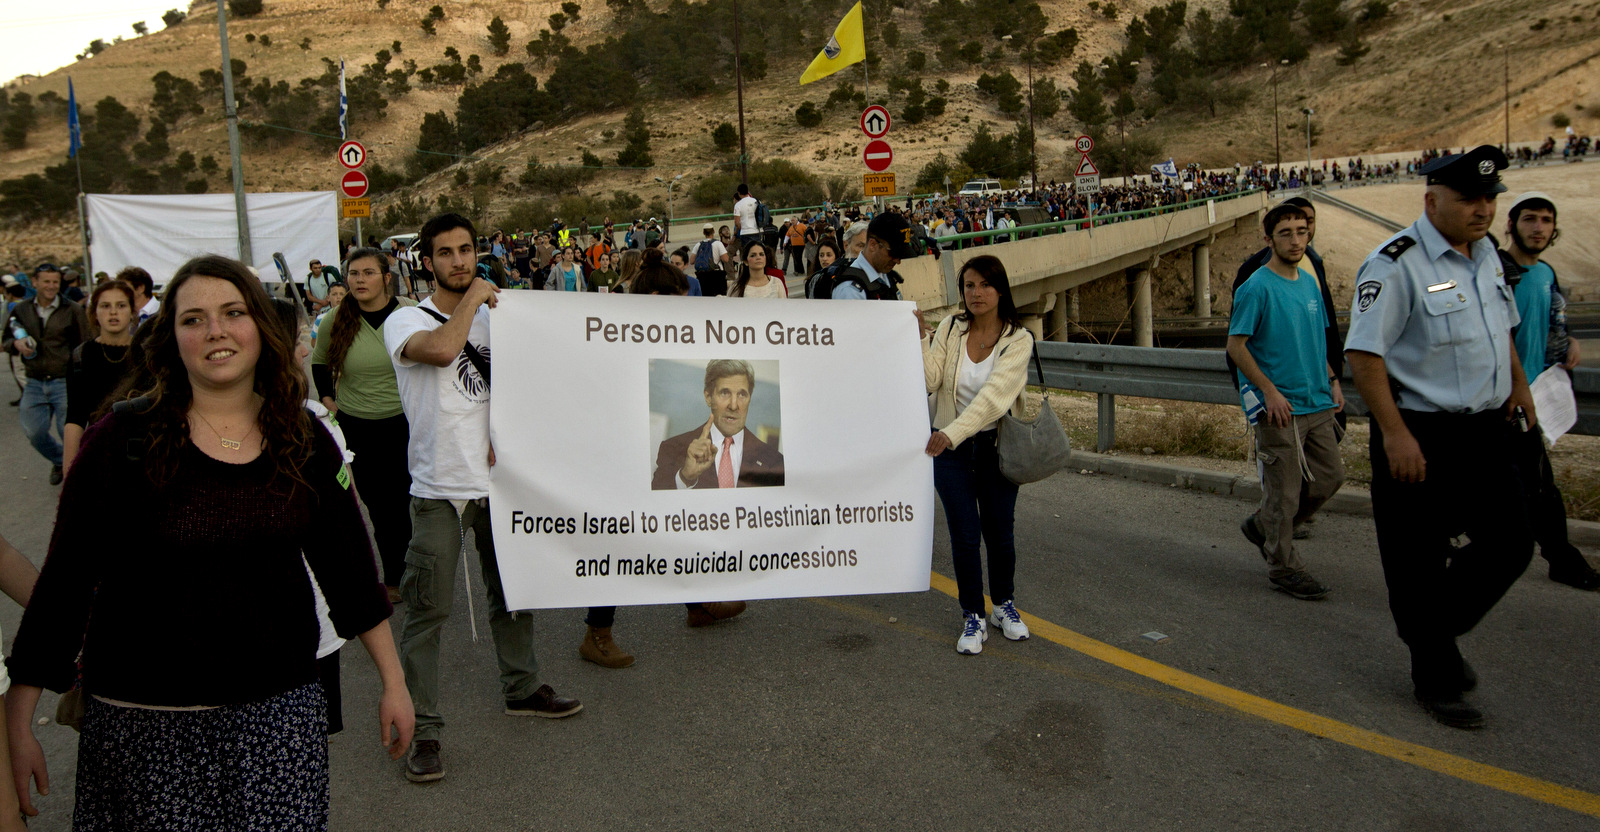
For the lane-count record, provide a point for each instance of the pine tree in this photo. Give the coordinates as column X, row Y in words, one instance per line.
column 499, row 36
column 636, row 132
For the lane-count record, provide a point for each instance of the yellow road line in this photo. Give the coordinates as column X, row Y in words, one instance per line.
column 1406, row 752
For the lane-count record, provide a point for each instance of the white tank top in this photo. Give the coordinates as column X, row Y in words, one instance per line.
column 970, row 379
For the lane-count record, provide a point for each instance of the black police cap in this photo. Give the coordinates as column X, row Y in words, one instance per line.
column 1474, row 173
column 894, row 231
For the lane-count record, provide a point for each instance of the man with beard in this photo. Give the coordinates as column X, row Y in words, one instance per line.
column 1431, row 352
column 1291, row 394
column 1330, row 328
column 1542, row 341
column 440, row 350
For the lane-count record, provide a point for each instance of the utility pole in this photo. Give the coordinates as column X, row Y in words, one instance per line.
column 738, row 78
column 231, row 108
column 1309, row 113
column 1033, row 141
column 1505, row 51
column 1277, row 147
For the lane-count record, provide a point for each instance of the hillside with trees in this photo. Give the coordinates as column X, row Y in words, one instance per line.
column 517, row 112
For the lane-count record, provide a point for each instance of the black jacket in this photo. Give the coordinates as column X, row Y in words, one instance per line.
column 57, row 337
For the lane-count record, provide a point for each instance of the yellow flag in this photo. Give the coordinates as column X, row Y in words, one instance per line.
column 847, row 46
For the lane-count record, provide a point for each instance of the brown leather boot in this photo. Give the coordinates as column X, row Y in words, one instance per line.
column 598, row 647
column 704, row 615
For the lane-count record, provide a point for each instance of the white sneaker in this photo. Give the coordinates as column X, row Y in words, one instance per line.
column 1010, row 623
column 974, row 632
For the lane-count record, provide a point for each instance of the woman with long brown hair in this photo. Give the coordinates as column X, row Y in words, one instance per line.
column 201, row 712
column 976, row 365
column 758, row 278
column 355, row 378
column 628, row 263
column 99, row 366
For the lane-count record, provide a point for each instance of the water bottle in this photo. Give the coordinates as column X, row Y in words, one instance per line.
column 21, row 336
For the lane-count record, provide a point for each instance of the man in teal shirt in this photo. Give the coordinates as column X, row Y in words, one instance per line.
column 1276, row 338
column 1531, row 228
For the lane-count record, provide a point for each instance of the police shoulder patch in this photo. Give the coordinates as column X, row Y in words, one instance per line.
column 1366, row 293
column 1398, row 247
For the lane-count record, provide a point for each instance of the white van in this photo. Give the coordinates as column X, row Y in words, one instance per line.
column 980, row 187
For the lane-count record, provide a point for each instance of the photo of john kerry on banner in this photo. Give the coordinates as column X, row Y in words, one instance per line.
column 656, row 449
column 724, row 452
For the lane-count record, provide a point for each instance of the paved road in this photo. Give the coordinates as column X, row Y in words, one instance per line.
column 856, row 713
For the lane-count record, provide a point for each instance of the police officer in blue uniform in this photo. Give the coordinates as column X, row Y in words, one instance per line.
column 1431, row 350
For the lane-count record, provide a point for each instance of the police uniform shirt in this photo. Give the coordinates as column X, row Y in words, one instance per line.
column 849, row 291
column 1440, row 320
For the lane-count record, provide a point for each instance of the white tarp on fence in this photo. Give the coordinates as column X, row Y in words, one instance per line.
column 161, row 233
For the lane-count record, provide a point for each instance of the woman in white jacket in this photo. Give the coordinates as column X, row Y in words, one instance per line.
column 976, row 365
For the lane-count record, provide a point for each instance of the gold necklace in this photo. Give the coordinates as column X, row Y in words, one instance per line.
column 230, row 444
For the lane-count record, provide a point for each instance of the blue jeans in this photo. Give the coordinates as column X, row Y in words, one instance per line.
column 978, row 502
column 42, row 403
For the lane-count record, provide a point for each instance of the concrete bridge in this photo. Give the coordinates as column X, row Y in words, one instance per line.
column 1046, row 270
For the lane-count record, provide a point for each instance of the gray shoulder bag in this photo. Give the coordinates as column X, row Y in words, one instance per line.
column 1032, row 451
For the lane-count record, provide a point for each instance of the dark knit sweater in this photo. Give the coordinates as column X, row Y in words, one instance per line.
column 205, row 599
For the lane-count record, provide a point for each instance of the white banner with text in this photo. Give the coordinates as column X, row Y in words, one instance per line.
column 654, row 450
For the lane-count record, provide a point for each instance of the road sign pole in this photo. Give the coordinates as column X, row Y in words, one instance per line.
column 231, row 110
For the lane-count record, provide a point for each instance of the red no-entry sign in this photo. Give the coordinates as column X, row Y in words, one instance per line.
column 353, row 185
column 878, row 155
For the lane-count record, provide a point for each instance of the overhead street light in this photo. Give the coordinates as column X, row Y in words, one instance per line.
column 1277, row 150
column 1033, row 156
column 667, row 234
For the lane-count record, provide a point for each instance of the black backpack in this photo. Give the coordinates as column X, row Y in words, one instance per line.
column 822, row 284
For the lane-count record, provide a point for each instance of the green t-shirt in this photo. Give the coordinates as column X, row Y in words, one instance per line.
column 606, row 280
column 366, row 387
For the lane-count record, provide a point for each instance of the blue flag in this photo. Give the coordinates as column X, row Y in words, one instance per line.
column 74, row 130
column 344, row 105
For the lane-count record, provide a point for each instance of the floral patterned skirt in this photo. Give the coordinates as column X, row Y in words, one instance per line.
column 257, row 766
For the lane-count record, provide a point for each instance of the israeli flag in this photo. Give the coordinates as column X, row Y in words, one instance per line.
column 344, row 106
column 74, row 129
column 1168, row 169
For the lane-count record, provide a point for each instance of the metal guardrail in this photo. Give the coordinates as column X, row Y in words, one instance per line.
column 1060, row 226
column 1202, row 376
column 1372, row 217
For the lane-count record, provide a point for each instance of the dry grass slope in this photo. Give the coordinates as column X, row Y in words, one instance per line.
column 1432, row 78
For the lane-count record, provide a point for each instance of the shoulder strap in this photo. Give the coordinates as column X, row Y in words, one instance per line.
column 477, row 359
column 1398, row 247
column 1037, row 364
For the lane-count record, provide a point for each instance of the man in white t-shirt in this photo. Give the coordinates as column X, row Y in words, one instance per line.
column 745, row 210
column 440, row 350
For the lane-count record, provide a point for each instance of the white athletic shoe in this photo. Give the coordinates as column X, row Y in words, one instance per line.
column 974, row 632
column 1010, row 623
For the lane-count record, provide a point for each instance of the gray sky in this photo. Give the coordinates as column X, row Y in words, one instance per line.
column 41, row 37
